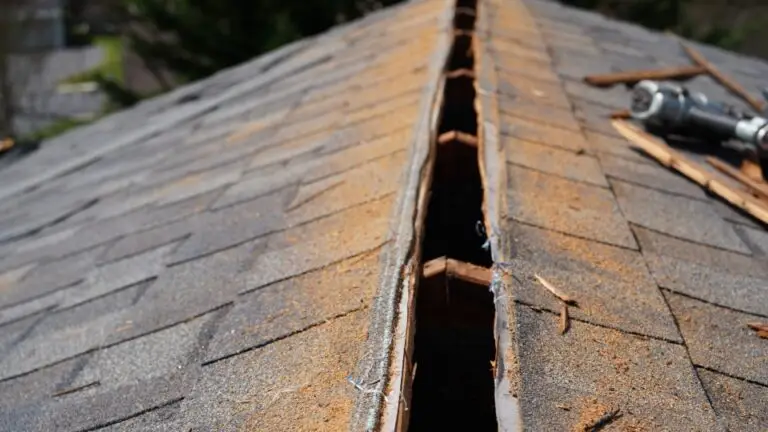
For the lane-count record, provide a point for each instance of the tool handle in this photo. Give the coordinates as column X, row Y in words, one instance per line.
column 719, row 124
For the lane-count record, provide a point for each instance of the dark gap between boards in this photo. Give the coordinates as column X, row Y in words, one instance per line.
column 454, row 348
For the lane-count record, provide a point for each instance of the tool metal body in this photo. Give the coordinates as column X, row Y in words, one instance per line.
column 670, row 109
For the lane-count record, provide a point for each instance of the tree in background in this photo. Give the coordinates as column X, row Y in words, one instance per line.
column 8, row 34
column 17, row 63
column 192, row 39
column 728, row 24
column 655, row 14
column 195, row 38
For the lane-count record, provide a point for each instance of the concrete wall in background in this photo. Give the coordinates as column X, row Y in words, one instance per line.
column 42, row 100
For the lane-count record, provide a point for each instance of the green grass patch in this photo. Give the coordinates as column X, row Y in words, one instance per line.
column 111, row 67
column 113, row 57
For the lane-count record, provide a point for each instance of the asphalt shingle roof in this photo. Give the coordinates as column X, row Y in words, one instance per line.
column 665, row 275
column 226, row 256
column 212, row 254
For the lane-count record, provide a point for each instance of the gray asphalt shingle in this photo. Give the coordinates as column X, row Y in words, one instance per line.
column 554, row 161
column 290, row 306
column 719, row 339
column 739, row 402
column 609, row 145
column 66, row 334
column 543, row 134
column 612, row 285
column 566, row 206
column 261, row 388
column 529, row 108
column 650, row 176
column 186, row 290
column 677, row 216
column 593, row 369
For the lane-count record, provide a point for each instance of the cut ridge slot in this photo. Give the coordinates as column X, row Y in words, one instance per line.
column 453, row 348
column 453, row 387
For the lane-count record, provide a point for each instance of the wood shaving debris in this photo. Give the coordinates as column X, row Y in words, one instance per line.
column 758, row 188
column 621, row 114
column 734, row 87
column 761, row 329
column 692, row 170
column 565, row 320
column 556, row 292
column 603, row 421
column 633, row 77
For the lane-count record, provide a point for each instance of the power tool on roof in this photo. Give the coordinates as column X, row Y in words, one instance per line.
column 669, row 109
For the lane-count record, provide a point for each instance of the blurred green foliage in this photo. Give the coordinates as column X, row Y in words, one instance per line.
column 195, row 38
column 52, row 130
column 729, row 25
column 111, row 68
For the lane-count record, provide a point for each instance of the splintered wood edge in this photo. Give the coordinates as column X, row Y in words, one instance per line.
column 565, row 321
column 672, row 159
column 759, row 189
column 758, row 326
column 621, row 114
column 456, row 269
column 468, row 272
column 458, row 73
column 752, row 170
column 633, row 76
column 555, row 291
column 434, row 267
column 459, row 136
column 732, row 86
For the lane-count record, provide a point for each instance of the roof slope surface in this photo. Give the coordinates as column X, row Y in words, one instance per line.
column 210, row 259
column 207, row 259
column 666, row 276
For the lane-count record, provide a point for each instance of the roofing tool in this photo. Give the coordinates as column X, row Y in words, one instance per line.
column 668, row 109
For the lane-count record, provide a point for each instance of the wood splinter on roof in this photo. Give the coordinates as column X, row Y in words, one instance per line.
column 732, row 86
column 555, row 291
column 565, row 320
column 701, row 66
column 758, row 188
column 633, row 77
column 752, row 170
column 621, row 114
column 694, row 171
column 761, row 329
